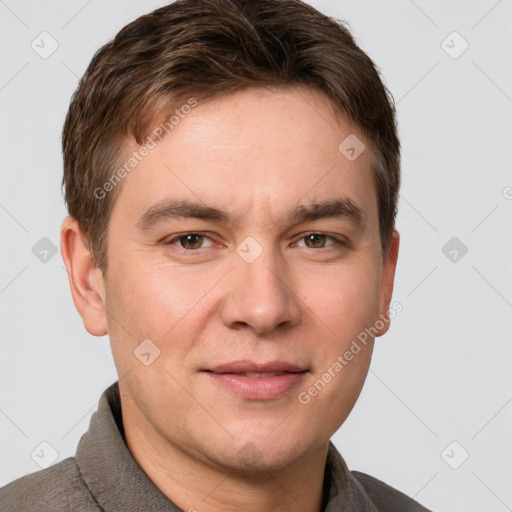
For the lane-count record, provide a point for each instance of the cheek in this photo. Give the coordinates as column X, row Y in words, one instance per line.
column 168, row 306
column 158, row 305
column 345, row 299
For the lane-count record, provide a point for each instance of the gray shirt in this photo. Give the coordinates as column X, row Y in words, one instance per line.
column 103, row 476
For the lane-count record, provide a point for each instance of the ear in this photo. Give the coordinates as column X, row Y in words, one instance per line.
column 85, row 278
column 387, row 280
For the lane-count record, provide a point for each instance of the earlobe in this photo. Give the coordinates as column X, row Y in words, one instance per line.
column 85, row 278
column 387, row 281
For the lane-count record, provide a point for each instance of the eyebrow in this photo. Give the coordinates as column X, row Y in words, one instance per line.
column 343, row 208
column 338, row 208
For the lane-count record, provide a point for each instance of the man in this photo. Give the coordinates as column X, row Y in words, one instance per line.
column 231, row 171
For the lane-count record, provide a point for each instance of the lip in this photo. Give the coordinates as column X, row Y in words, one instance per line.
column 233, row 376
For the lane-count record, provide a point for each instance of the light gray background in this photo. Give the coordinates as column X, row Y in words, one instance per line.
column 441, row 374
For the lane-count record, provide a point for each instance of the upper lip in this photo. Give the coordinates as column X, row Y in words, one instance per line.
column 254, row 367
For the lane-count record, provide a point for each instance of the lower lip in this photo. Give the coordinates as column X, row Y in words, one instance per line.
column 258, row 388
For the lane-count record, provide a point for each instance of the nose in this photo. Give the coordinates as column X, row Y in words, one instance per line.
column 260, row 295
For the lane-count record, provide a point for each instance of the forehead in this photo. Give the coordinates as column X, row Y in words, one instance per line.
column 256, row 150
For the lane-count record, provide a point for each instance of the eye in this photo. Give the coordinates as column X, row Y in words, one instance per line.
column 190, row 241
column 318, row 241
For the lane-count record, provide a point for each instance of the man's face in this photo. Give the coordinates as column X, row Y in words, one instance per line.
column 249, row 307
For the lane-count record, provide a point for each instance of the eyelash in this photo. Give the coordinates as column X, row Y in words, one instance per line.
column 336, row 241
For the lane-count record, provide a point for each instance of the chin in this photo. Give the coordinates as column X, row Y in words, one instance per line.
column 259, row 455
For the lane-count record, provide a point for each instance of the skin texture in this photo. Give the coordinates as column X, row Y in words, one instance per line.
column 255, row 154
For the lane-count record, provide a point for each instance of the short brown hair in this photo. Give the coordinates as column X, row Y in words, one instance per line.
column 208, row 49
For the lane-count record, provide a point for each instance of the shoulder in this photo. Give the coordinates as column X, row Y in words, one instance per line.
column 386, row 498
column 58, row 488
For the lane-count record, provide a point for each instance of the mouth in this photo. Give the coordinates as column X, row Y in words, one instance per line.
column 257, row 381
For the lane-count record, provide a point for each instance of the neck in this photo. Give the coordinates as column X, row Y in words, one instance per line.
column 196, row 484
